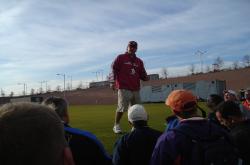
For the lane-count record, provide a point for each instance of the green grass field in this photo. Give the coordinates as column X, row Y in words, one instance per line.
column 99, row 120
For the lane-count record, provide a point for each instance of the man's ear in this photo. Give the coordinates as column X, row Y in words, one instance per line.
column 233, row 119
column 230, row 120
column 66, row 118
column 68, row 157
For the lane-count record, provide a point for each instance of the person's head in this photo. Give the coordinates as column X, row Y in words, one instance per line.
column 230, row 95
column 229, row 113
column 182, row 103
column 137, row 115
column 59, row 105
column 247, row 93
column 132, row 47
column 32, row 134
column 213, row 101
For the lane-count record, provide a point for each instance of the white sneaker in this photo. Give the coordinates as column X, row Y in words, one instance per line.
column 117, row 129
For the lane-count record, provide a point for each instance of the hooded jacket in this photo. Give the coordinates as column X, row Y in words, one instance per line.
column 174, row 148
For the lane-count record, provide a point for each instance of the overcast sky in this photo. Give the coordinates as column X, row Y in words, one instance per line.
column 78, row 38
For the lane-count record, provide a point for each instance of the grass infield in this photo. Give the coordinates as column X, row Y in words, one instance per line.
column 99, row 120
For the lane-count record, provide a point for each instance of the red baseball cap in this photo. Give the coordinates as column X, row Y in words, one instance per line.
column 181, row 100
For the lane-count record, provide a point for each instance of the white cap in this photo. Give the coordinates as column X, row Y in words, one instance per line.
column 232, row 92
column 137, row 112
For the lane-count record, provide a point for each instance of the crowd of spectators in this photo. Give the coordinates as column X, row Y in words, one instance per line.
column 35, row 134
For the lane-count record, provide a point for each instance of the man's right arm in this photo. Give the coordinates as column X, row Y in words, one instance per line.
column 113, row 74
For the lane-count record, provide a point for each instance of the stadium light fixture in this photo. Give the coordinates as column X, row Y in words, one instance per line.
column 200, row 54
column 62, row 74
column 96, row 73
column 71, row 87
column 42, row 85
column 101, row 71
column 24, row 87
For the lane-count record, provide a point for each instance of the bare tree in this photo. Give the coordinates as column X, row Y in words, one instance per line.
column 192, row 68
column 58, row 88
column 246, row 60
column 48, row 88
column 235, row 65
column 208, row 68
column 164, row 73
column 11, row 94
column 68, row 86
column 40, row 90
column 2, row 93
column 80, row 85
column 219, row 62
column 32, row 91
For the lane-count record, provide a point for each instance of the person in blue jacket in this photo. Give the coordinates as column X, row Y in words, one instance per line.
column 171, row 122
column 135, row 147
column 85, row 147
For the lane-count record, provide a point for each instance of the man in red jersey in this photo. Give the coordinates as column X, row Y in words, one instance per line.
column 128, row 70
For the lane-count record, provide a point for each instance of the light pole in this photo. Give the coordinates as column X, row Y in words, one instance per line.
column 70, row 82
column 46, row 86
column 101, row 71
column 24, row 87
column 96, row 73
column 59, row 74
column 42, row 86
column 87, row 84
column 200, row 54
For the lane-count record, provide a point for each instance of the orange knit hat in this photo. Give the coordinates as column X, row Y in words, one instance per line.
column 181, row 100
